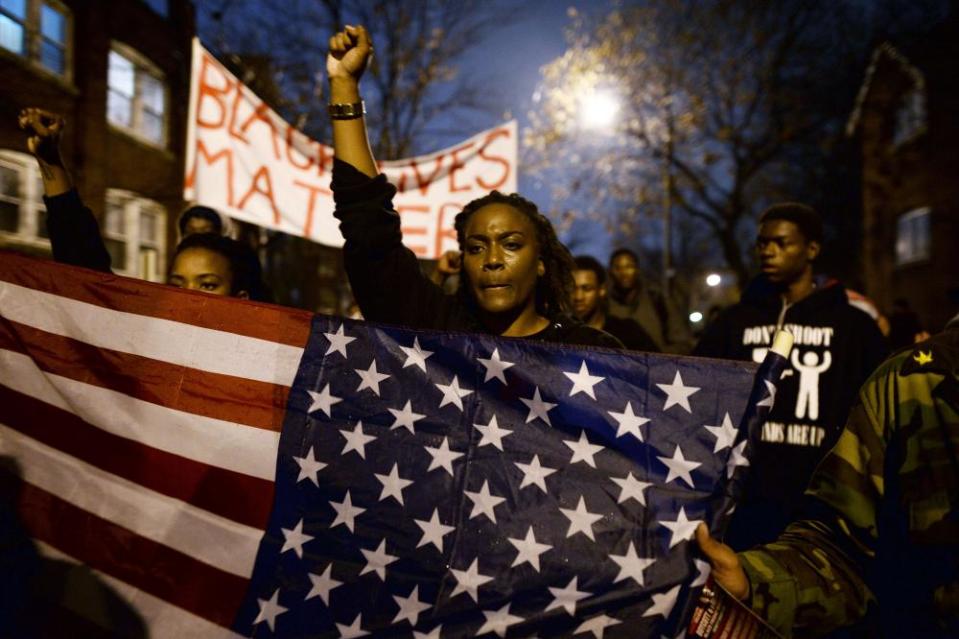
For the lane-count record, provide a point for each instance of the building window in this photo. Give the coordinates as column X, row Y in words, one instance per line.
column 38, row 30
column 910, row 116
column 914, row 236
column 53, row 39
column 23, row 217
column 13, row 21
column 134, row 231
column 136, row 95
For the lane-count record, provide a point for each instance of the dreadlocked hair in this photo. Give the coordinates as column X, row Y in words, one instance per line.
column 555, row 287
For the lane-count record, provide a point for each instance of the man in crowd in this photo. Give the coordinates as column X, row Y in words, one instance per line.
column 632, row 297
column 881, row 523
column 589, row 306
column 200, row 219
column 836, row 346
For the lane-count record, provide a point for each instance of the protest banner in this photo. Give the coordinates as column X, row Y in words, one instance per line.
column 244, row 160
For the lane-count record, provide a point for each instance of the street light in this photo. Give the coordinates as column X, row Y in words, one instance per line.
column 695, row 317
column 713, row 279
column 598, row 109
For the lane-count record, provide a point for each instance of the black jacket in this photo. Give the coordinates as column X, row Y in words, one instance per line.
column 836, row 347
column 386, row 277
column 630, row 333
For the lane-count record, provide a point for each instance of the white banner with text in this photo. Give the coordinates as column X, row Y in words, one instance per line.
column 245, row 161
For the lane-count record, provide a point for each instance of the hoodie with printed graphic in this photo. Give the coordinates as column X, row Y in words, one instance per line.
column 836, row 347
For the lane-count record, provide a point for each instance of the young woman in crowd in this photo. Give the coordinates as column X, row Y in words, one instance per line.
column 205, row 261
column 515, row 278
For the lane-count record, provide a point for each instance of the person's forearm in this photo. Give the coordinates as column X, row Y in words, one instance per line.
column 805, row 579
column 56, row 180
column 350, row 140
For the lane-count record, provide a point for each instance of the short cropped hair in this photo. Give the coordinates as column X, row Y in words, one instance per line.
column 623, row 251
column 589, row 263
column 204, row 213
column 804, row 217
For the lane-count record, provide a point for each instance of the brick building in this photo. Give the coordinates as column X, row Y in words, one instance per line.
column 905, row 122
column 119, row 72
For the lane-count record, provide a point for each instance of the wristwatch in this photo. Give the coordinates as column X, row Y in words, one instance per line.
column 346, row 111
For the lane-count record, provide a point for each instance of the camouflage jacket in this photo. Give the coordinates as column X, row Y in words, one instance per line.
column 882, row 531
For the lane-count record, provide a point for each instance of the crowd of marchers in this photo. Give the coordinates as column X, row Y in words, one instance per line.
column 851, row 514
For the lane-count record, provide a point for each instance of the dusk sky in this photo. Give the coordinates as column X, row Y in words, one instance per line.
column 509, row 58
column 512, row 56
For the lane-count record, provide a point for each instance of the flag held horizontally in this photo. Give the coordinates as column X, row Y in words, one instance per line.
column 225, row 467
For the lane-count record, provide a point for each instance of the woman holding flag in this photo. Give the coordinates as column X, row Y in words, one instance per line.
column 207, row 261
column 516, row 276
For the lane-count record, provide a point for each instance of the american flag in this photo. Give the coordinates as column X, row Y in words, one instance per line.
column 229, row 468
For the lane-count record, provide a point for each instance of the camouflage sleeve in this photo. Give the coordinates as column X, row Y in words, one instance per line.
column 810, row 580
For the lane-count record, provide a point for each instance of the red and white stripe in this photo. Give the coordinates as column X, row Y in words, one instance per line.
column 145, row 423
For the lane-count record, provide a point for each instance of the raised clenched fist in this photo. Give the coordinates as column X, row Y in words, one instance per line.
column 349, row 55
column 44, row 129
column 449, row 263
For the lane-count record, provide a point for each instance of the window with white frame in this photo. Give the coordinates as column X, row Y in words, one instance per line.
column 38, row 30
column 914, row 236
column 136, row 95
column 23, row 217
column 134, row 231
column 910, row 117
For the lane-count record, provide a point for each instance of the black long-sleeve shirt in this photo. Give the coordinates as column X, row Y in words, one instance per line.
column 386, row 277
column 74, row 233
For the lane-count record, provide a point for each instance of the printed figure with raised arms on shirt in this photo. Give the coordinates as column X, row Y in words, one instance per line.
column 836, row 345
column 877, row 543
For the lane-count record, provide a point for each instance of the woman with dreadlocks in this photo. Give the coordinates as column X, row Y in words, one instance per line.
column 516, row 276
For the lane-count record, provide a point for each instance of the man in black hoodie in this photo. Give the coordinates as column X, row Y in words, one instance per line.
column 836, row 347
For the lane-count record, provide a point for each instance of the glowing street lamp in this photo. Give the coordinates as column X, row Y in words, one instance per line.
column 713, row 279
column 695, row 317
column 598, row 109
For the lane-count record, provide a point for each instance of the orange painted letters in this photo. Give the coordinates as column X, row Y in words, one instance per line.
column 262, row 114
column 495, row 158
column 424, row 183
column 217, row 94
column 442, row 232
column 266, row 190
column 210, row 160
column 457, row 166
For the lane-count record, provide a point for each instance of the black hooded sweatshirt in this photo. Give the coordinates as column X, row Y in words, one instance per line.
column 836, row 347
